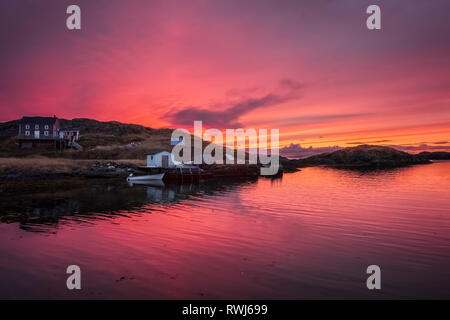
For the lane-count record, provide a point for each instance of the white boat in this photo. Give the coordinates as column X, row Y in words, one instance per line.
column 149, row 183
column 159, row 176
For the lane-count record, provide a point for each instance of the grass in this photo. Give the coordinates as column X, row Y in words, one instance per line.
column 55, row 186
column 100, row 140
column 95, row 146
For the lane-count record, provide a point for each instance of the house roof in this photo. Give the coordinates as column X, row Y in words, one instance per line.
column 39, row 120
column 157, row 151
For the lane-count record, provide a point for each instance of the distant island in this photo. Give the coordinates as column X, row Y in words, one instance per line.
column 113, row 149
column 369, row 157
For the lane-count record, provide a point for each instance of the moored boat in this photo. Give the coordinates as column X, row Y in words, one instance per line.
column 158, row 176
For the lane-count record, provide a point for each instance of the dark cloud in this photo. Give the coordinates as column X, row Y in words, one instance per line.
column 310, row 119
column 423, row 146
column 369, row 142
column 287, row 90
column 295, row 150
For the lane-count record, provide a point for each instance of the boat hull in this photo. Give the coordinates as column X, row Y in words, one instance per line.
column 158, row 176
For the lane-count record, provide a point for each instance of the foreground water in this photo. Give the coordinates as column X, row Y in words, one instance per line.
column 311, row 234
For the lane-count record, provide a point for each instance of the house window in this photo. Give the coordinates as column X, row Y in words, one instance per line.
column 36, row 127
column 45, row 133
column 27, row 133
column 46, row 127
column 151, row 157
column 27, row 126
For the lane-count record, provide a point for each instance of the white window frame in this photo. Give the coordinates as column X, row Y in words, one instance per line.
column 27, row 133
column 27, row 126
column 46, row 127
column 36, row 127
column 46, row 133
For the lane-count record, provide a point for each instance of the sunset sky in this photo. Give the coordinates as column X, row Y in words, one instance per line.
column 310, row 68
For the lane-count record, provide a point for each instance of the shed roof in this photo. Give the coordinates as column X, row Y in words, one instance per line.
column 157, row 151
column 39, row 120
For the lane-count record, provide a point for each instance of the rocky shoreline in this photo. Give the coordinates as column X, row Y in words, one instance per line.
column 360, row 157
column 112, row 169
column 97, row 169
column 368, row 157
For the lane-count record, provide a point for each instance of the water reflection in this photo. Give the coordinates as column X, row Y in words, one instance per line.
column 43, row 212
column 311, row 234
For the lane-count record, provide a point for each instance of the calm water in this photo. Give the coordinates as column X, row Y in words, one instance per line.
column 311, row 234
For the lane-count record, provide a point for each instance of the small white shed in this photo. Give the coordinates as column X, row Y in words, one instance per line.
column 161, row 159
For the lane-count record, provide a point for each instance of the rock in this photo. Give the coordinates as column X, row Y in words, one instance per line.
column 364, row 156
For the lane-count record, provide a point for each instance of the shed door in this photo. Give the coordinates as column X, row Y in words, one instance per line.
column 165, row 161
column 36, row 134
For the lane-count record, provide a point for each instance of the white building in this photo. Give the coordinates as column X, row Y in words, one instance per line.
column 161, row 159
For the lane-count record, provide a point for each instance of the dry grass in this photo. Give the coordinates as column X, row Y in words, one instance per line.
column 98, row 152
column 97, row 145
column 59, row 165
column 40, row 163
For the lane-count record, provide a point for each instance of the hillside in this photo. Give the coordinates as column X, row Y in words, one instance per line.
column 100, row 140
column 111, row 140
column 437, row 155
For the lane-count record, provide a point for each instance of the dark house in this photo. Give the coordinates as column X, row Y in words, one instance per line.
column 39, row 132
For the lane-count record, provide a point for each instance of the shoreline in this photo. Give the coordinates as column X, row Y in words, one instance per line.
column 54, row 185
column 51, row 181
column 35, row 169
column 40, row 168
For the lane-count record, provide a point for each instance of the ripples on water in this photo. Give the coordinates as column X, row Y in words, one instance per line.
column 311, row 234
